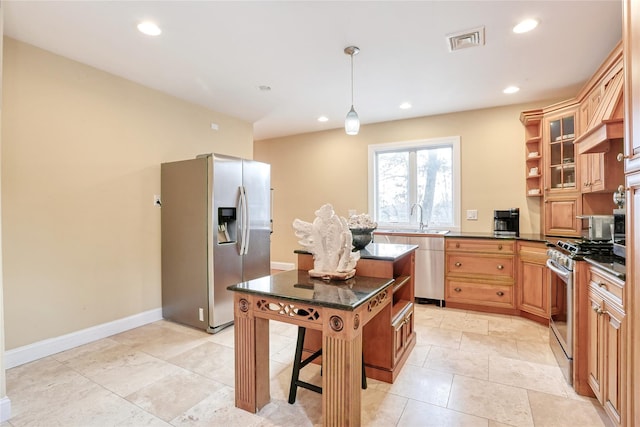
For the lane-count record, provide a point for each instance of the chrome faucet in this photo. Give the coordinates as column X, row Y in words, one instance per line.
column 417, row 205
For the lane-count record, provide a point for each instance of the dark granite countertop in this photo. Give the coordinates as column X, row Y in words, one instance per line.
column 611, row 264
column 491, row 235
column 381, row 251
column 296, row 285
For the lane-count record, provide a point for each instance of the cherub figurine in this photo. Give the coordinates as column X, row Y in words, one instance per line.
column 329, row 239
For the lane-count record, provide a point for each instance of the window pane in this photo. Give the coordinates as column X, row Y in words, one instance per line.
column 434, row 184
column 426, row 173
column 392, row 195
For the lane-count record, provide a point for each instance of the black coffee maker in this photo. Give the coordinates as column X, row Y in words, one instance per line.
column 507, row 222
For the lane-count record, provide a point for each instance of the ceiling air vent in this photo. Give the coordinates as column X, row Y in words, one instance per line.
column 464, row 39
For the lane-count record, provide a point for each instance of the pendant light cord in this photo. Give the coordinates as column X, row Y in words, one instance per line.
column 351, row 79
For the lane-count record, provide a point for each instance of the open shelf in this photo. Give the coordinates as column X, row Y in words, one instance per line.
column 400, row 281
column 532, row 121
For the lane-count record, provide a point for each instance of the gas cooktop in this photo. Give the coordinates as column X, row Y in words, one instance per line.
column 581, row 247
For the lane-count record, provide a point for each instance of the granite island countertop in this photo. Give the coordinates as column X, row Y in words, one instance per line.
column 379, row 251
column 297, row 286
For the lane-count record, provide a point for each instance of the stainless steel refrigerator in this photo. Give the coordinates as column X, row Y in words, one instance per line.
column 216, row 231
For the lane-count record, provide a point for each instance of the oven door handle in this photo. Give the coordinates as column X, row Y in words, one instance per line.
column 566, row 275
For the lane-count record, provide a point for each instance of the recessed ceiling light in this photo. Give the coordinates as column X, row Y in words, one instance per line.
column 511, row 89
column 149, row 28
column 525, row 26
column 264, row 88
column 405, row 106
column 323, row 119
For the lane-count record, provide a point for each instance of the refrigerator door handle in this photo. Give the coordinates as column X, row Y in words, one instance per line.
column 240, row 226
column 245, row 217
column 244, row 221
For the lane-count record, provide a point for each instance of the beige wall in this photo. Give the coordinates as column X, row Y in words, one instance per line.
column 3, row 385
column 81, row 154
column 331, row 167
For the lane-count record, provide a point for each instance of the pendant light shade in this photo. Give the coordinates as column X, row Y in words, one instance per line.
column 352, row 121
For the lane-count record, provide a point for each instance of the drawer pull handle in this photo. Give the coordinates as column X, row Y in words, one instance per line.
column 500, row 293
column 457, row 245
column 499, row 247
column 458, row 264
column 602, row 285
column 458, row 290
column 598, row 310
column 500, row 266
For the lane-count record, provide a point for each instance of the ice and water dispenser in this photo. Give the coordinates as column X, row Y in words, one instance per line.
column 227, row 225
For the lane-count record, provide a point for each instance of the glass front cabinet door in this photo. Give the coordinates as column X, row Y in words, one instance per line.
column 561, row 160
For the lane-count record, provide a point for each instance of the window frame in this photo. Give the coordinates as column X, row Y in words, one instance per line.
column 453, row 141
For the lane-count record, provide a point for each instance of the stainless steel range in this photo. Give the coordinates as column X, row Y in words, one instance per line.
column 562, row 263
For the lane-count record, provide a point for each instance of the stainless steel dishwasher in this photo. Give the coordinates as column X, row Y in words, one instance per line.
column 429, row 277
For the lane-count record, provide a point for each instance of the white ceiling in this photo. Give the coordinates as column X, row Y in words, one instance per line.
column 217, row 54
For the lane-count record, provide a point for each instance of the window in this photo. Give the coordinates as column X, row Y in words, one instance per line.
column 426, row 173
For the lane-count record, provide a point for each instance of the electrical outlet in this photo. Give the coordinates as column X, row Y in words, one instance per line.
column 472, row 214
column 156, row 200
column 201, row 314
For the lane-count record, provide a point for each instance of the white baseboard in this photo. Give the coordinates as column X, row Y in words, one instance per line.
column 282, row 266
column 28, row 353
column 5, row 409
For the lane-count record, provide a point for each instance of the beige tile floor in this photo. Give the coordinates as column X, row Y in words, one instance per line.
column 467, row 369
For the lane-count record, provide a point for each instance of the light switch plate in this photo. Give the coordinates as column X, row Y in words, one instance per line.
column 472, row 214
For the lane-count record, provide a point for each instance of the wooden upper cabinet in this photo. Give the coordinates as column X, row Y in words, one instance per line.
column 631, row 46
column 602, row 172
column 579, row 141
column 532, row 121
column 560, row 158
column 601, row 108
column 588, row 107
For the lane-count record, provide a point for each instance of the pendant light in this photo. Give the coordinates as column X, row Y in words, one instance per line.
column 352, row 121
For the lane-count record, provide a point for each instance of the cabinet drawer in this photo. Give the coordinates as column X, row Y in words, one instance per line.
column 606, row 285
column 534, row 252
column 493, row 266
column 480, row 293
column 480, row 245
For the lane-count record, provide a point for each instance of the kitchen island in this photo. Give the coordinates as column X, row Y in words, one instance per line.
column 389, row 338
column 338, row 310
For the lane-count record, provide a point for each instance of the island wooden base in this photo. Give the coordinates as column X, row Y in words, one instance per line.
column 341, row 333
column 313, row 341
column 389, row 337
column 390, row 375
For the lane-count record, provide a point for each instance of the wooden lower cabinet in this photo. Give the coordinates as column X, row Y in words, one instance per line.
column 479, row 274
column 480, row 292
column 533, row 279
column 389, row 337
column 595, row 350
column 606, row 351
column 402, row 331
